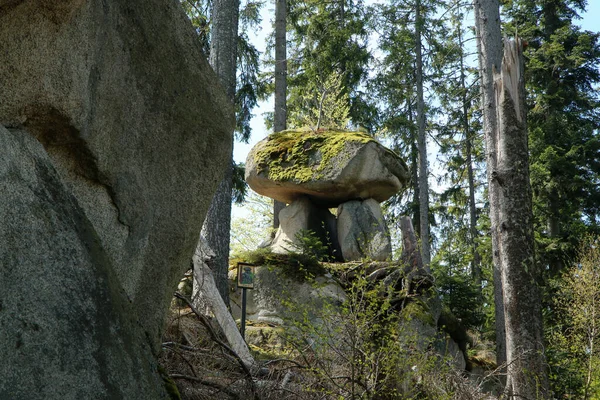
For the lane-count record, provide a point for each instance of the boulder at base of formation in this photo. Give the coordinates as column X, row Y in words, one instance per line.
column 362, row 231
column 302, row 216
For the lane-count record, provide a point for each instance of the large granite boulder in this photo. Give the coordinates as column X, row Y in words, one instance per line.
column 118, row 137
column 329, row 167
column 278, row 298
column 68, row 329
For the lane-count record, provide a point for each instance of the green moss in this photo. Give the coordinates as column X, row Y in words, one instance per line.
column 170, row 385
column 302, row 155
column 298, row 267
column 419, row 310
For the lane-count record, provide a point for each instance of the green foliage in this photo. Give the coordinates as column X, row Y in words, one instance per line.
column 308, row 243
column 240, row 187
column 251, row 226
column 575, row 339
column 324, row 104
column 328, row 42
column 460, row 294
column 359, row 349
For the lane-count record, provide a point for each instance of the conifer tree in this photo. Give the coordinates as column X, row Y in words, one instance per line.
column 563, row 64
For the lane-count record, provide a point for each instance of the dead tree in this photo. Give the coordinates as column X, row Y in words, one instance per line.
column 527, row 376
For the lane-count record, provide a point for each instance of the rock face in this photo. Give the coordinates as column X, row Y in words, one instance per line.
column 328, row 167
column 117, row 139
column 362, row 231
column 274, row 291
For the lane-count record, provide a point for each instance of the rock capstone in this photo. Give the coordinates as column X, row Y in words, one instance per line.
column 328, row 167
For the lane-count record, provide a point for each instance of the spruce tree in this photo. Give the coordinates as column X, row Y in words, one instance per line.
column 563, row 102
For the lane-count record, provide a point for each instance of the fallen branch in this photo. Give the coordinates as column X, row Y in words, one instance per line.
column 205, row 382
column 223, row 345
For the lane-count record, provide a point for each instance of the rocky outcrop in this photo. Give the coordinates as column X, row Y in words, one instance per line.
column 278, row 298
column 328, row 167
column 118, row 137
column 315, row 170
column 362, row 231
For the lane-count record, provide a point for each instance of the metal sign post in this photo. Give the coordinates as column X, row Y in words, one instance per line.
column 245, row 281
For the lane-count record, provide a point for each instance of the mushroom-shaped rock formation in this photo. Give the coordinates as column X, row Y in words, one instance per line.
column 330, row 167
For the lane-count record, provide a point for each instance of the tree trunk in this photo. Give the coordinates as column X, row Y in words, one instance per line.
column 223, row 59
column 489, row 48
column 527, row 376
column 411, row 257
column 206, row 293
column 476, row 263
column 422, row 144
column 280, row 111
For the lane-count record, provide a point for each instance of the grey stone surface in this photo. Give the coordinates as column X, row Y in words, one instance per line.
column 358, row 171
column 128, row 112
column 124, row 102
column 273, row 289
column 303, row 215
column 362, row 231
column 68, row 330
column 449, row 349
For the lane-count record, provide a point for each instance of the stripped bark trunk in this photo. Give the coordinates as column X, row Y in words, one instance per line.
column 206, row 294
column 527, row 376
column 422, row 143
column 280, row 111
column 411, row 257
column 489, row 48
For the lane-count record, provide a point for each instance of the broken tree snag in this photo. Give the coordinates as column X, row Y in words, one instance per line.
column 207, row 289
column 527, row 373
column 411, row 256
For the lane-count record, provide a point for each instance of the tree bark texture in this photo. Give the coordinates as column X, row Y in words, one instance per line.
column 223, row 59
column 489, row 48
column 422, row 144
column 527, row 376
column 280, row 111
column 223, row 43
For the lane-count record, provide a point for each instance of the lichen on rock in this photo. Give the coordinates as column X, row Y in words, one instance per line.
column 303, row 154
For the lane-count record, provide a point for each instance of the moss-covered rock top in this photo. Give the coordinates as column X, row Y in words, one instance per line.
column 328, row 166
column 292, row 154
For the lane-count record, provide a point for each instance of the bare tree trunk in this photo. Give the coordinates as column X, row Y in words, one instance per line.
column 411, row 257
column 223, row 59
column 208, row 294
column 527, row 375
column 489, row 47
column 422, row 144
column 280, row 112
column 476, row 263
